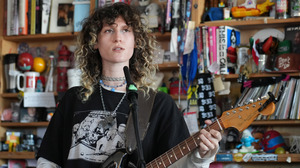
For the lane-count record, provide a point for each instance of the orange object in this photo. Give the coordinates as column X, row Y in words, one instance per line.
column 39, row 64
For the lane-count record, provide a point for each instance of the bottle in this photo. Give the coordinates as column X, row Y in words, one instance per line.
column 295, row 8
column 281, row 9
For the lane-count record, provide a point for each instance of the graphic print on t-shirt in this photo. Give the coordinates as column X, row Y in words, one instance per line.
column 96, row 137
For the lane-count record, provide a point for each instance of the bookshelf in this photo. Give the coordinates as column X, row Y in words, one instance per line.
column 247, row 28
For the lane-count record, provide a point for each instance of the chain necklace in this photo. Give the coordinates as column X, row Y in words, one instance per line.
column 104, row 108
column 113, row 87
column 107, row 78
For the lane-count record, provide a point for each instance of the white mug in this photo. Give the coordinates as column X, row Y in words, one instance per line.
column 29, row 81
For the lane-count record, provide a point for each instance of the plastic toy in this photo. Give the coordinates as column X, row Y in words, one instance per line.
column 249, row 8
column 247, row 140
column 25, row 61
column 272, row 140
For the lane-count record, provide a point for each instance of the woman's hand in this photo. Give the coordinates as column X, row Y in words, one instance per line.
column 209, row 140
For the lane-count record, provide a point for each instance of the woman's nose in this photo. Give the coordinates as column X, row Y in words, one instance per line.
column 118, row 37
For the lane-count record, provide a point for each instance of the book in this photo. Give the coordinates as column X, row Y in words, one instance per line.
column 38, row 17
column 229, row 39
column 292, row 33
column 212, row 31
column 296, row 101
column 14, row 17
column 33, row 16
column 23, row 20
column 45, row 16
column 287, row 99
column 222, row 51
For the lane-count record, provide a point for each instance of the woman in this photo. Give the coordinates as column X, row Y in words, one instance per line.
column 89, row 123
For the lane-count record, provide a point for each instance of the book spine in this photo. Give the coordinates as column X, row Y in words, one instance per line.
column 38, row 17
column 23, row 21
column 14, row 26
column 212, row 44
column 5, row 18
column 199, row 40
column 45, row 16
column 32, row 17
column 222, row 50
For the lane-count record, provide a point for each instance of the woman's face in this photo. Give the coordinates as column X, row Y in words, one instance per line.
column 116, row 43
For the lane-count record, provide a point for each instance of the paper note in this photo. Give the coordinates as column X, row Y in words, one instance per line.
column 39, row 99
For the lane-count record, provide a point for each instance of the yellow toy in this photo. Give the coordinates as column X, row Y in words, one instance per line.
column 12, row 139
column 247, row 9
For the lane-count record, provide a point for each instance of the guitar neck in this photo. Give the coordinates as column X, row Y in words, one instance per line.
column 182, row 149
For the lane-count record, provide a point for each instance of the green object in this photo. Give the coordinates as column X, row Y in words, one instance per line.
column 132, row 87
column 163, row 89
column 284, row 47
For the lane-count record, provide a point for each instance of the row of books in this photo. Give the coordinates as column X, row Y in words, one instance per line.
column 288, row 105
column 27, row 17
column 218, row 48
column 24, row 17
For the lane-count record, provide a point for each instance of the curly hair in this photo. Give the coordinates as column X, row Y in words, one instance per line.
column 89, row 61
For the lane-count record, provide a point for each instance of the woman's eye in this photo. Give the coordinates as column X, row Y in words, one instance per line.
column 108, row 31
column 126, row 30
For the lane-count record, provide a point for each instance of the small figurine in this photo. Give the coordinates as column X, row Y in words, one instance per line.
column 246, row 144
column 249, row 8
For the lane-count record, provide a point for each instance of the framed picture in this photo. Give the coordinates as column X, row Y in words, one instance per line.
column 61, row 19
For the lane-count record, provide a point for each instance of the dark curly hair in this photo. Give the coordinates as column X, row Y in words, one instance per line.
column 89, row 59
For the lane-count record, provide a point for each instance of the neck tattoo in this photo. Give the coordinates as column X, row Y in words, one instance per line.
column 102, row 101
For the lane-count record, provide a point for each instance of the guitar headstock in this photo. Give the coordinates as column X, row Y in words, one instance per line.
column 241, row 117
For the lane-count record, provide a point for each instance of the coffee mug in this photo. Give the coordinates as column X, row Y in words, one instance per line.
column 29, row 81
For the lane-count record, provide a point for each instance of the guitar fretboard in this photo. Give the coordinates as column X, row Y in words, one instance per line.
column 182, row 149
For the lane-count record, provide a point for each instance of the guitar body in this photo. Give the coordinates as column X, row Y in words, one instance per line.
column 118, row 160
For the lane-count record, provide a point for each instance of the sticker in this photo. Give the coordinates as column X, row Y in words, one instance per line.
column 247, row 157
column 264, row 157
column 224, row 157
column 238, row 157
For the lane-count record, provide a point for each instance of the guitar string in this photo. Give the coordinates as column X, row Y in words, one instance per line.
column 213, row 125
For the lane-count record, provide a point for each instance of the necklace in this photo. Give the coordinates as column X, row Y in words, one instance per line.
column 107, row 78
column 113, row 87
column 120, row 102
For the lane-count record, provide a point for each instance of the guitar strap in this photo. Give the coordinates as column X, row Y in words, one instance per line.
column 145, row 104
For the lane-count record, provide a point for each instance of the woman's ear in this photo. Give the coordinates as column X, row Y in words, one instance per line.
column 96, row 46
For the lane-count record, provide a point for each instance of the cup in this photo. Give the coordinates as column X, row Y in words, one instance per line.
column 29, row 81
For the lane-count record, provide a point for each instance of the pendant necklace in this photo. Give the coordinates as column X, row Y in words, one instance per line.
column 104, row 108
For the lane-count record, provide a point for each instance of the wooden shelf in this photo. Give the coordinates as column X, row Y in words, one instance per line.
column 42, row 37
column 281, row 158
column 168, row 66
column 277, row 122
column 31, row 124
column 262, row 22
column 17, row 155
column 67, row 36
column 15, row 95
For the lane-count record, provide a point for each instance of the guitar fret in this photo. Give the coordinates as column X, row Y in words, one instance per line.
column 187, row 146
column 194, row 141
column 180, row 150
column 174, row 154
column 162, row 161
column 156, row 163
column 168, row 158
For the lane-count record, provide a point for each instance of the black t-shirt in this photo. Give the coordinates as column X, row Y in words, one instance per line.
column 85, row 135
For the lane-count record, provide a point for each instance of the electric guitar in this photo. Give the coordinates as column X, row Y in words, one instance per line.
column 239, row 118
